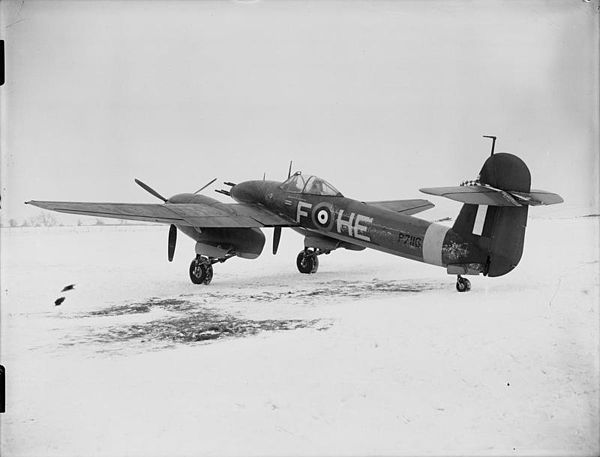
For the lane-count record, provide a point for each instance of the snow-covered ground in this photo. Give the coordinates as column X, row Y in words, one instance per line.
column 373, row 355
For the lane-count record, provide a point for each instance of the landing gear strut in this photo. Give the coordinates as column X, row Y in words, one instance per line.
column 201, row 268
column 307, row 260
column 463, row 284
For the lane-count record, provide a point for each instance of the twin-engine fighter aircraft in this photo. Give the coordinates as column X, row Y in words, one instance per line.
column 487, row 237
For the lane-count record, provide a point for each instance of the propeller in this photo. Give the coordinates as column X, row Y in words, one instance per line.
column 276, row 238
column 172, row 228
column 147, row 188
column 172, row 241
column 205, row 186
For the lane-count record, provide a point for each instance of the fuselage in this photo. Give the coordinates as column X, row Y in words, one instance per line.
column 361, row 224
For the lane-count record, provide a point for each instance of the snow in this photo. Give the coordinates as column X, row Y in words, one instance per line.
column 372, row 355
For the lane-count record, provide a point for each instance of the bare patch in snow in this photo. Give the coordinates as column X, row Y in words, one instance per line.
column 185, row 322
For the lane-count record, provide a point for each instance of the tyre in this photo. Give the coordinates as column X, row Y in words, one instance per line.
column 198, row 272
column 306, row 263
column 208, row 274
column 463, row 285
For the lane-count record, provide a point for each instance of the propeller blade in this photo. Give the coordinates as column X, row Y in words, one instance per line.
column 147, row 188
column 276, row 238
column 205, row 186
column 172, row 241
column 290, row 170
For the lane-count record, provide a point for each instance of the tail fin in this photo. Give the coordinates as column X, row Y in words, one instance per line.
column 500, row 229
column 494, row 215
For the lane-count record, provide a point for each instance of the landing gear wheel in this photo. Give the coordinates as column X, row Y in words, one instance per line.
column 307, row 262
column 463, row 284
column 201, row 271
column 208, row 274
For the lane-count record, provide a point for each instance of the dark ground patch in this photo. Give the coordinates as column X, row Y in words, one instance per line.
column 190, row 320
column 198, row 326
column 336, row 290
column 137, row 308
column 186, row 322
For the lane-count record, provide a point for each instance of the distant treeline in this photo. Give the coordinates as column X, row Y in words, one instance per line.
column 48, row 220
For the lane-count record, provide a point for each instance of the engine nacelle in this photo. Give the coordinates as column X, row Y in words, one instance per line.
column 209, row 250
column 246, row 243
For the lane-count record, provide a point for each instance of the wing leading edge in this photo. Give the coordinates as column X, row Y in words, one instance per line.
column 186, row 214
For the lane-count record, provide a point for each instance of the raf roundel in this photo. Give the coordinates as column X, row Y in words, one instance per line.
column 323, row 215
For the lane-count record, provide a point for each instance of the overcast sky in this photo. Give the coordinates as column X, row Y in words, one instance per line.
column 379, row 98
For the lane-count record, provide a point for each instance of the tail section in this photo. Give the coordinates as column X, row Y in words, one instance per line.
column 499, row 231
column 494, row 213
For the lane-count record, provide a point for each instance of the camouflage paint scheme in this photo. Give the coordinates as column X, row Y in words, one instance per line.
column 486, row 238
column 354, row 223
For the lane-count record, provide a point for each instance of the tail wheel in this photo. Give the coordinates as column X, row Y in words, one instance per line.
column 307, row 262
column 201, row 272
column 463, row 284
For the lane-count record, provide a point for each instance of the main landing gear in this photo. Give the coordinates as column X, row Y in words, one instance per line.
column 201, row 268
column 463, row 284
column 307, row 260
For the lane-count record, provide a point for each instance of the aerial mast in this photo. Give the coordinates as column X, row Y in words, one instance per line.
column 493, row 142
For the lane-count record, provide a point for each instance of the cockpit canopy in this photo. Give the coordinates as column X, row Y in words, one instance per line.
column 309, row 185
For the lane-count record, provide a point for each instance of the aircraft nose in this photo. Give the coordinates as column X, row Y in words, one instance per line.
column 248, row 191
column 243, row 192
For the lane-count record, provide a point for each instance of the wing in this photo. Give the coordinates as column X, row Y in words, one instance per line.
column 190, row 214
column 407, row 207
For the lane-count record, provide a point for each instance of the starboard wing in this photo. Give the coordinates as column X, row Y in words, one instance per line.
column 407, row 207
column 186, row 214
